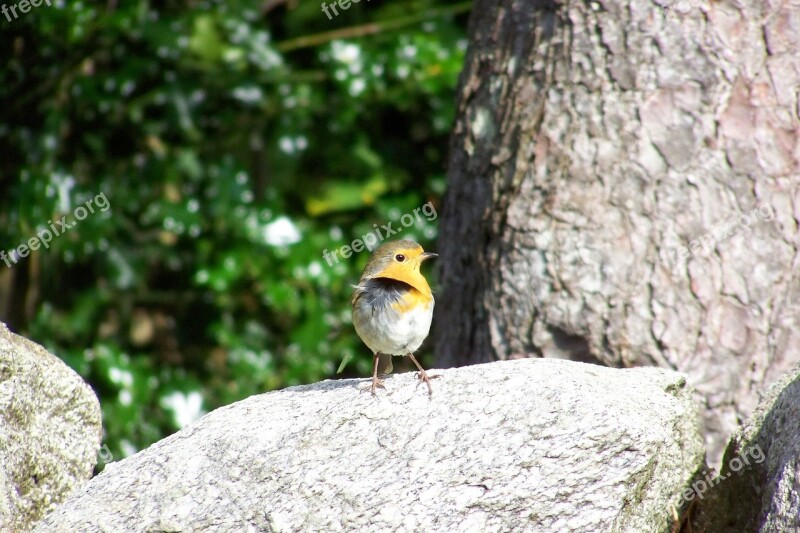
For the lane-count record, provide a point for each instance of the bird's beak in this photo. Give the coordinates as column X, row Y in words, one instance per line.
column 427, row 255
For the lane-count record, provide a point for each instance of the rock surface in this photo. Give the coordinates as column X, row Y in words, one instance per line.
column 50, row 430
column 526, row 445
column 758, row 488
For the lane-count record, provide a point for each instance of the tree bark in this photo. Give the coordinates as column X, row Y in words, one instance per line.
column 623, row 189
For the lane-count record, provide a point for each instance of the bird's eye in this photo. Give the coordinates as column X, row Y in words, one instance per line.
column 400, row 258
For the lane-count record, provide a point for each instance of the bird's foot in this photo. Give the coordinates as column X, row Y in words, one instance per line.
column 423, row 377
column 376, row 384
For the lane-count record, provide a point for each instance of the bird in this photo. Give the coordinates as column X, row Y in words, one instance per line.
column 393, row 306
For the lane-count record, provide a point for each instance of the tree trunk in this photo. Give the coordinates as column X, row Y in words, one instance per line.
column 623, row 189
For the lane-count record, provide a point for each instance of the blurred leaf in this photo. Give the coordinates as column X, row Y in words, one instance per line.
column 345, row 360
column 343, row 196
column 205, row 40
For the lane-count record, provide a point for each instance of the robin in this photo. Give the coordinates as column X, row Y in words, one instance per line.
column 393, row 306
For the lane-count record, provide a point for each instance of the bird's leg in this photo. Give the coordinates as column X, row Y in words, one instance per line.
column 375, row 381
column 422, row 376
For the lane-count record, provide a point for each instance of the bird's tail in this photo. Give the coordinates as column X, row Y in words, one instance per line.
column 384, row 364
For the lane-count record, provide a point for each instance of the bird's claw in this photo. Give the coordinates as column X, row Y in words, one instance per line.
column 423, row 377
column 376, row 384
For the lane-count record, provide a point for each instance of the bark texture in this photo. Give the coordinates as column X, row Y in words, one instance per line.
column 606, row 450
column 623, row 189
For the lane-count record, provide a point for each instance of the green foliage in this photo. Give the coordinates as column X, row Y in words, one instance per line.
column 234, row 146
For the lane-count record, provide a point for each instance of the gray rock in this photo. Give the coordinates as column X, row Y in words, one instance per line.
column 525, row 445
column 50, row 430
column 758, row 487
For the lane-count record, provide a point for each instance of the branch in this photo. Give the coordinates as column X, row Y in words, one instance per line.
column 317, row 39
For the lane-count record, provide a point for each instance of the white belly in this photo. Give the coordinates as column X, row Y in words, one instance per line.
column 395, row 333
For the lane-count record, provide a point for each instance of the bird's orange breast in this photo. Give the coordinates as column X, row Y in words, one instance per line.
column 409, row 276
column 411, row 300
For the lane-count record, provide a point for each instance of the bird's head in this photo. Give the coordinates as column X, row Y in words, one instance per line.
column 399, row 260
